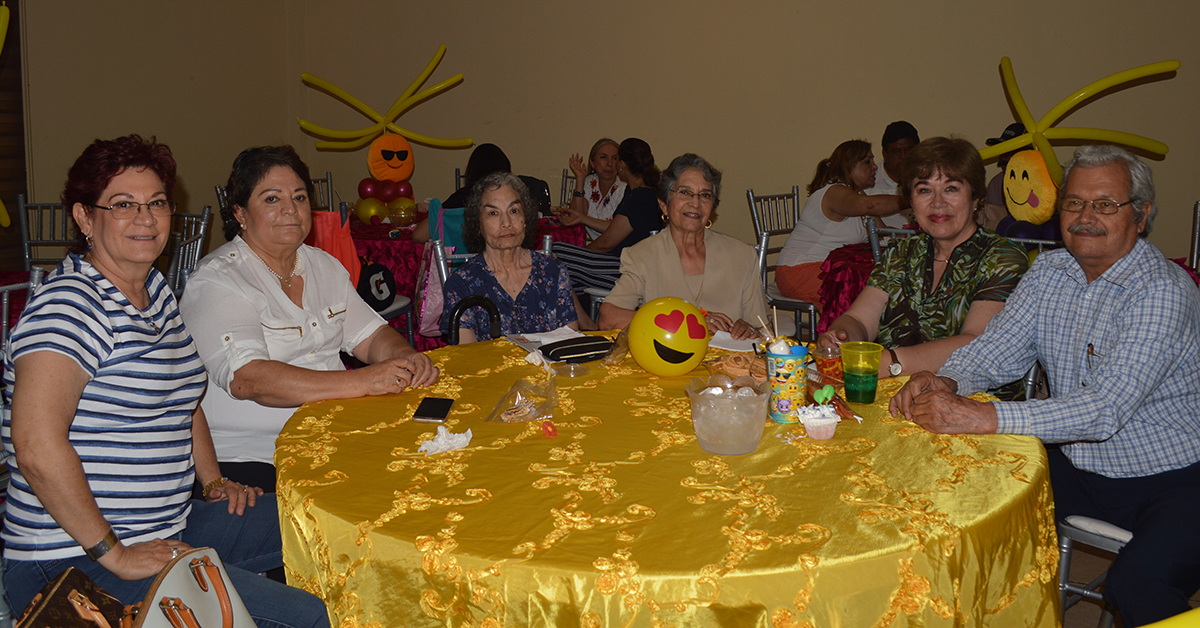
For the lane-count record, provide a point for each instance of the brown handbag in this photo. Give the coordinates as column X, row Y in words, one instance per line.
column 72, row 600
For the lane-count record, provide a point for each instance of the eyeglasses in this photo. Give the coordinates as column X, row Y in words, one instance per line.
column 124, row 210
column 388, row 155
column 1074, row 205
column 705, row 197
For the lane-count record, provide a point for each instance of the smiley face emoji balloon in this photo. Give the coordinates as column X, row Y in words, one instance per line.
column 668, row 336
column 1029, row 191
column 390, row 158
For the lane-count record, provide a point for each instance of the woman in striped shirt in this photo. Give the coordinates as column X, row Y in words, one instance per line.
column 101, row 411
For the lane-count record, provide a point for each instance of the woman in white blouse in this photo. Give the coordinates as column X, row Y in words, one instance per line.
column 270, row 314
column 598, row 191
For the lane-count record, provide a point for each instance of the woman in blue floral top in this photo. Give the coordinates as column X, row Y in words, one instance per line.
column 932, row 293
column 531, row 291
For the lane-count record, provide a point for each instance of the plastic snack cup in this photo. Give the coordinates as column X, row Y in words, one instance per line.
column 860, row 362
column 829, row 362
column 786, row 374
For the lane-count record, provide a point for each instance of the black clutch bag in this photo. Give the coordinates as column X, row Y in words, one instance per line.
column 584, row 349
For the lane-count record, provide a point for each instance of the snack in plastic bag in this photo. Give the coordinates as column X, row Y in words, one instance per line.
column 527, row 401
column 619, row 350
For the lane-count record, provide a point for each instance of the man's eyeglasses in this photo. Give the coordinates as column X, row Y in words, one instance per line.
column 128, row 209
column 1074, row 205
column 705, row 197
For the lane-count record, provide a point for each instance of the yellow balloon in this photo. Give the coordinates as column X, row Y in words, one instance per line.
column 668, row 336
column 1029, row 192
column 365, row 208
column 5, row 221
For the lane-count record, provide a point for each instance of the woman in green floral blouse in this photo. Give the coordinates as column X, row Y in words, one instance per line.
column 932, row 293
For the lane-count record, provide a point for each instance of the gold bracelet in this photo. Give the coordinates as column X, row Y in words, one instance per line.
column 214, row 484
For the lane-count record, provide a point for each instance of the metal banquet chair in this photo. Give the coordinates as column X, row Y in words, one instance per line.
column 1098, row 534
column 568, row 187
column 187, row 247
column 47, row 231
column 776, row 214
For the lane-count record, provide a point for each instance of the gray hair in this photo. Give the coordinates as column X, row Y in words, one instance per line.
column 1141, row 179
column 473, row 230
column 682, row 164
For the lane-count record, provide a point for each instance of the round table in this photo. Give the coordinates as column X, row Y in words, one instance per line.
column 622, row 520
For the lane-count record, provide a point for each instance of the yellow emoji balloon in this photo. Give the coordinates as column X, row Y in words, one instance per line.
column 1029, row 192
column 668, row 336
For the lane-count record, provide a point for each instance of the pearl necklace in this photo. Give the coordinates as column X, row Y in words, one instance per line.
column 287, row 281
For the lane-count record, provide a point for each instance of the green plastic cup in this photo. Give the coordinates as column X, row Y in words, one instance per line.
column 860, row 363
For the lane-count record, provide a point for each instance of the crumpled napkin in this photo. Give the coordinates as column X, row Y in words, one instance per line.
column 445, row 441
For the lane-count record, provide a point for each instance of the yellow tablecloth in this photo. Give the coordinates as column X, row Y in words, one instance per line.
column 622, row 520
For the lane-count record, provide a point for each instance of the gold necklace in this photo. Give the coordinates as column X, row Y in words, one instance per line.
column 287, row 281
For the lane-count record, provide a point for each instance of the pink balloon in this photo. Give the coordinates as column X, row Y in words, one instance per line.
column 367, row 188
column 387, row 191
column 405, row 189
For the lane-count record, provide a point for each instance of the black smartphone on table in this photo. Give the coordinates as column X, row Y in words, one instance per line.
column 433, row 410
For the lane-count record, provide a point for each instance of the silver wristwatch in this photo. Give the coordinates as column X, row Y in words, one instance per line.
column 895, row 367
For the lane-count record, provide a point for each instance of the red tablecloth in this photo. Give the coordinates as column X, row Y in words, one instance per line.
column 403, row 257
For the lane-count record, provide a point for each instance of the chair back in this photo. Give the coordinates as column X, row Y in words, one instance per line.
column 568, row 188
column 874, row 231
column 773, row 214
column 323, row 192
column 222, row 200
column 444, row 260
column 458, row 179
column 1193, row 259
column 35, row 280
column 47, row 231
column 187, row 247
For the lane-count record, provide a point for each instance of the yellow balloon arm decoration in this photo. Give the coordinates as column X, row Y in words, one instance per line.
column 1014, row 92
column 1108, row 135
column 1051, row 159
column 373, row 131
column 5, row 221
column 5, row 14
column 1067, row 104
column 461, row 142
column 354, row 139
column 1006, row 147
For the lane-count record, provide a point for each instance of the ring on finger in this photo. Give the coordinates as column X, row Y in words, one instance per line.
column 175, row 551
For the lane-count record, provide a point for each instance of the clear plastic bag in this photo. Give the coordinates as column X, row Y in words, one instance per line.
column 619, row 349
column 527, row 401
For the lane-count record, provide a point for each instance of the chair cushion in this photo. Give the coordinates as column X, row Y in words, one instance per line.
column 1101, row 528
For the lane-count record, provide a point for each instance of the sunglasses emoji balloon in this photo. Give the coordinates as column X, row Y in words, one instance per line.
column 668, row 336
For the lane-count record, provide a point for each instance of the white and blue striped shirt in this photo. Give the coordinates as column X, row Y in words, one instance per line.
column 132, row 427
column 1122, row 355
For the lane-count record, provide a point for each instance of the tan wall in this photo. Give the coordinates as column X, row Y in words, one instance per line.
column 763, row 89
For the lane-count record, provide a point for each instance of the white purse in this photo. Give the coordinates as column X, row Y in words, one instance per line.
column 193, row 591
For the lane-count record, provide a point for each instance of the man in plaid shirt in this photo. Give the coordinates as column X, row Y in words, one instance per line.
column 1117, row 327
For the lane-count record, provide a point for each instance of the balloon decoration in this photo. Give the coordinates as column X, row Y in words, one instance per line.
column 390, row 156
column 357, row 138
column 668, row 336
column 370, row 210
column 1029, row 192
column 1040, row 133
column 385, row 199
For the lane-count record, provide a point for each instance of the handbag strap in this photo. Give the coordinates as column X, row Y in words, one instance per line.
column 202, row 567
column 178, row 613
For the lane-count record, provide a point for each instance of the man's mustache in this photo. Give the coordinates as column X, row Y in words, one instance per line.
column 1088, row 229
